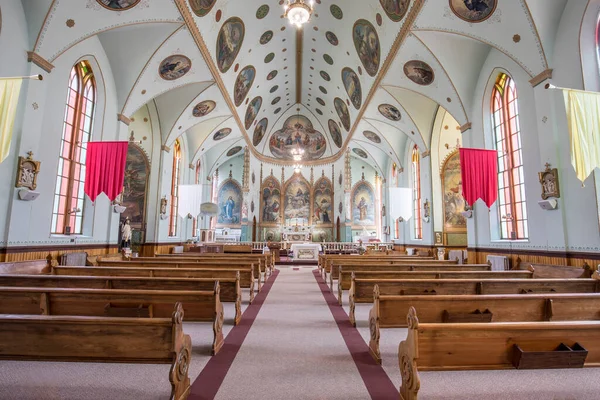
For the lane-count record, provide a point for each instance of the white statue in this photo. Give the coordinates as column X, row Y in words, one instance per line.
column 126, row 234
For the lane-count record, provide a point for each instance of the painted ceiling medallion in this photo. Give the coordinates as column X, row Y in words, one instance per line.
column 298, row 134
column 419, row 72
column 325, row 76
column 320, row 101
column 272, row 75
column 336, row 134
column 360, row 152
column 266, row 37
column 201, row 7
column 395, row 9
column 276, row 100
column 390, row 112
column 269, row 58
column 328, row 59
column 372, row 136
column 118, row 5
column 262, row 11
column 319, row 111
column 332, row 38
column 342, row 112
column 174, row 67
column 234, row 150
column 252, row 111
column 277, row 110
column 366, row 42
column 259, row 131
column 221, row 133
column 336, row 11
column 274, row 89
column 243, row 83
column 473, row 11
column 323, row 90
column 229, row 43
column 352, row 85
column 203, row 108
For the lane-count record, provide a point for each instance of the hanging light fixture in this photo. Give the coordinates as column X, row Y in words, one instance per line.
column 298, row 12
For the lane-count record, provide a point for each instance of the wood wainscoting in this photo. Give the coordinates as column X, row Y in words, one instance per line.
column 150, row 249
column 28, row 253
column 568, row 259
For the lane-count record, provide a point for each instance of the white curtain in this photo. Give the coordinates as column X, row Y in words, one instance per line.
column 190, row 199
column 9, row 98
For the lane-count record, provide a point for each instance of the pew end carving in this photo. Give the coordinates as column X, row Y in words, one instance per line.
column 408, row 353
column 374, row 327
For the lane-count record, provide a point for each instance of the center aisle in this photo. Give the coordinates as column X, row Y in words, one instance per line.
column 294, row 349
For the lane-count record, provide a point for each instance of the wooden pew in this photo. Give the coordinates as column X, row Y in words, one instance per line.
column 240, row 265
column 28, row 267
column 361, row 290
column 246, row 276
column 377, row 259
column 345, row 276
column 101, row 339
column 202, row 306
column 466, row 346
column 391, row 311
column 230, row 287
column 557, row 271
column 266, row 259
column 263, row 261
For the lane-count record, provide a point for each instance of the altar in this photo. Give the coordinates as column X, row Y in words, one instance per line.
column 296, row 237
column 306, row 251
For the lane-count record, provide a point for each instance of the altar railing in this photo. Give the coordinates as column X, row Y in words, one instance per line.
column 327, row 246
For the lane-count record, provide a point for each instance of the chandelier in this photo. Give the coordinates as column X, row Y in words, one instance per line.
column 297, row 155
column 298, row 12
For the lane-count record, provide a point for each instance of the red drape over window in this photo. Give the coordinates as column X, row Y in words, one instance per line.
column 479, row 172
column 105, row 168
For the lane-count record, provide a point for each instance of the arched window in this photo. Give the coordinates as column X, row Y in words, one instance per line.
column 598, row 41
column 175, row 189
column 416, row 186
column 512, row 212
column 68, row 210
column 196, row 181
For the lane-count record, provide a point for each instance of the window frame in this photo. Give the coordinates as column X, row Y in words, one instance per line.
column 175, row 178
column 416, row 188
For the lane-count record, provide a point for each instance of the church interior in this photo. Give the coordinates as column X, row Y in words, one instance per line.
column 299, row 199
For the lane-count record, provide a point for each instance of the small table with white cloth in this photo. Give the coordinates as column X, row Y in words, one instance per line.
column 306, row 251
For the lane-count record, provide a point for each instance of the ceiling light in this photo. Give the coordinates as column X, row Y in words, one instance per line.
column 298, row 12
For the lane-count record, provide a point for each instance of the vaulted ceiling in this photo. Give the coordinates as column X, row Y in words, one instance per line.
column 369, row 75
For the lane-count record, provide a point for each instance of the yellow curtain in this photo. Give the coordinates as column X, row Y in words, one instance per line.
column 583, row 118
column 9, row 98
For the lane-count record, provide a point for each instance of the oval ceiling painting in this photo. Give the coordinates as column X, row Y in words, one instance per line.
column 390, row 112
column 262, row 11
column 360, row 152
column 201, row 7
column 252, row 111
column 234, row 151
column 274, row 89
column 277, row 110
column 243, row 83
column 325, row 76
column 366, row 42
column 203, row 108
column 372, row 136
column 266, row 37
column 174, row 67
column 395, row 9
column 272, row 75
column 118, row 5
column 473, row 11
column 320, row 101
column 298, row 133
column 332, row 38
column 335, row 132
column 259, row 131
column 419, row 72
column 276, row 100
column 352, row 85
column 269, row 58
column 221, row 133
column 336, row 11
column 328, row 59
column 229, row 43
column 342, row 112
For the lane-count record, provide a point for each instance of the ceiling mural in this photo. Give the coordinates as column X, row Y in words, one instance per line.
column 335, row 132
column 360, row 152
column 367, row 45
column 221, row 134
column 234, row 150
column 390, row 112
column 229, row 43
column 419, row 72
column 395, row 9
column 298, row 134
column 342, row 112
column 174, row 67
column 352, row 85
column 252, row 111
column 243, row 83
column 203, row 108
column 372, row 136
column 118, row 5
column 202, row 7
column 259, row 131
column 474, row 10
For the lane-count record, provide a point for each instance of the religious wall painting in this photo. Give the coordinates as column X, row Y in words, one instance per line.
column 328, row 59
column 342, row 111
column 135, row 184
column 174, row 67
column 266, row 37
column 203, row 108
column 473, row 10
column 363, row 205
column 271, row 201
column 262, row 11
column 234, row 150
column 243, row 83
column 118, row 5
column 27, row 172
column 366, row 42
column 322, row 202
column 272, row 75
column 298, row 133
column 336, row 11
column 352, row 85
column 549, row 181
column 390, row 112
column 336, row 134
column 252, row 111
column 360, row 152
column 201, row 7
column 419, row 72
column 229, row 43
column 395, row 9
column 276, row 100
column 221, row 133
column 229, row 200
column 325, row 76
column 372, row 136
column 259, row 131
column 453, row 201
column 332, row 38
column 297, row 201
column 269, row 58
column 321, row 101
